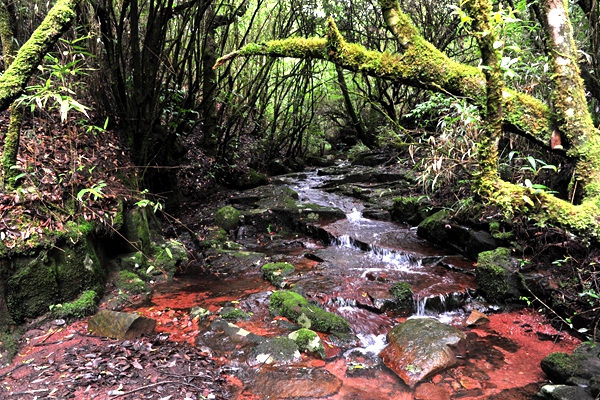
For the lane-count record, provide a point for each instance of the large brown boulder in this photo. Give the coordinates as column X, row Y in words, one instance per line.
column 421, row 347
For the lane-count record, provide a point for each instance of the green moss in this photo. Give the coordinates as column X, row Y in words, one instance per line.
column 83, row 306
column 308, row 340
column 565, row 365
column 276, row 273
column 494, row 279
column 129, row 282
column 233, row 314
column 214, row 238
column 227, row 218
column 403, row 295
column 298, row 309
column 167, row 257
column 32, row 288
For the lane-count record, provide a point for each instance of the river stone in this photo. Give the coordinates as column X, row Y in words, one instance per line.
column 477, row 318
column 421, row 347
column 564, row 392
column 119, row 325
column 583, row 363
column 440, row 229
column 292, row 383
column 429, row 391
column 280, row 350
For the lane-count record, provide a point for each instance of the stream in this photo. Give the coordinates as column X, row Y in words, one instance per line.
column 350, row 275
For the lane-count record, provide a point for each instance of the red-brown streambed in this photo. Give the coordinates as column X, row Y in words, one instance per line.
column 352, row 274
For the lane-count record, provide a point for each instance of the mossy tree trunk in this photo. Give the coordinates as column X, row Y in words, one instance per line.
column 13, row 135
column 484, row 31
column 30, row 55
column 418, row 63
column 572, row 116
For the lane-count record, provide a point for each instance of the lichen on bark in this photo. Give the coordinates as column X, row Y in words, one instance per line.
column 14, row 79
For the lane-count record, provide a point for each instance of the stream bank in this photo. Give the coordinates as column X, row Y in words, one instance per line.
column 344, row 264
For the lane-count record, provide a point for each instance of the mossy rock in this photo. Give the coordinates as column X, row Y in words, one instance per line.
column 497, row 276
column 309, row 341
column 276, row 273
column 59, row 275
column 233, row 314
column 227, row 218
column 167, row 257
column 280, row 350
column 136, row 230
column 83, row 306
column 250, row 179
column 561, row 366
column 215, row 238
column 412, row 210
column 295, row 307
column 130, row 282
column 403, row 296
column 132, row 261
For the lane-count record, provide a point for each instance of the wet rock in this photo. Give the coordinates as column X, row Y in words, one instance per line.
column 584, row 363
column 279, row 350
column 497, row 276
column 309, row 341
column 248, row 180
column 421, row 347
column 119, row 325
column 276, row 273
column 564, row 392
column 441, row 230
column 233, row 314
column 295, row 307
column 429, row 391
column 477, row 318
column 292, row 383
column 412, row 210
column 403, row 297
column 227, row 218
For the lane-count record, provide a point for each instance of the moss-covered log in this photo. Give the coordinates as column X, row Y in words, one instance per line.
column 419, row 65
column 14, row 79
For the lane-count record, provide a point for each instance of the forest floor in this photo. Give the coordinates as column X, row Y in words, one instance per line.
column 60, row 168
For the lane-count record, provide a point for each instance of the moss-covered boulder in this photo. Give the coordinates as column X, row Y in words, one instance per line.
column 55, row 276
column 276, row 273
column 497, row 276
column 227, row 218
column 136, row 230
column 309, row 341
column 295, row 307
column 81, row 307
column 130, row 282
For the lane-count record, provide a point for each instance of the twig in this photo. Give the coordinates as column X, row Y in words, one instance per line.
column 153, row 385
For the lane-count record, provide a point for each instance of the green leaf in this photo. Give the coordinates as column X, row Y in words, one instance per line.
column 527, row 200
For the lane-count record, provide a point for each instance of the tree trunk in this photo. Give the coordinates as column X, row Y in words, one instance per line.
column 420, row 65
column 365, row 137
column 572, row 115
column 13, row 135
column 15, row 78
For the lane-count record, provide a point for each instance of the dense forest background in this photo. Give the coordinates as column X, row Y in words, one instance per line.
column 126, row 105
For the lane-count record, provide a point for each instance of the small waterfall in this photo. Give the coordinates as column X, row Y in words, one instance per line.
column 439, row 304
column 398, row 260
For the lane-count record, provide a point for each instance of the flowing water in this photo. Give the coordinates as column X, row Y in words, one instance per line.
column 351, row 275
